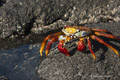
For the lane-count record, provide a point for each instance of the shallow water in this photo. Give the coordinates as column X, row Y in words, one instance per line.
column 20, row 63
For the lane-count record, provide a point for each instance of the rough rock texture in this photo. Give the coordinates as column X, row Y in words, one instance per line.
column 80, row 66
column 12, row 17
column 94, row 14
column 18, row 17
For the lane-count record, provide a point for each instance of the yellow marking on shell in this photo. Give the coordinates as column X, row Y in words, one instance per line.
column 70, row 30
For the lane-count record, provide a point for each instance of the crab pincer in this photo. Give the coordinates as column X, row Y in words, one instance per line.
column 63, row 49
column 81, row 45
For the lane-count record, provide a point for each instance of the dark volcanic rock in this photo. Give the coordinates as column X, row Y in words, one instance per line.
column 2, row 2
column 18, row 17
column 79, row 12
column 15, row 16
column 80, row 66
column 3, row 78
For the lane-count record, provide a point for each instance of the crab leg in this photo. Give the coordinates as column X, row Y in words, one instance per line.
column 63, row 49
column 89, row 46
column 101, row 30
column 107, row 35
column 101, row 41
column 46, row 39
column 55, row 39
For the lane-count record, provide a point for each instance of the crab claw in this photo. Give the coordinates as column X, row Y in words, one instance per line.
column 81, row 45
column 63, row 49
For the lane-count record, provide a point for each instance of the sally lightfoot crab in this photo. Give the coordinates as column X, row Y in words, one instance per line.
column 81, row 33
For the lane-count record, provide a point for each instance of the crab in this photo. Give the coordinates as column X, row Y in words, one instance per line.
column 82, row 34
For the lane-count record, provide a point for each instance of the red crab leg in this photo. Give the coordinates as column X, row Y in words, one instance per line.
column 55, row 39
column 107, row 35
column 101, row 41
column 101, row 30
column 46, row 39
column 89, row 46
column 63, row 49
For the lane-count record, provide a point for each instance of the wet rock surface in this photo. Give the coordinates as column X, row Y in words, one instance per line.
column 20, row 63
column 23, row 18
column 3, row 78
